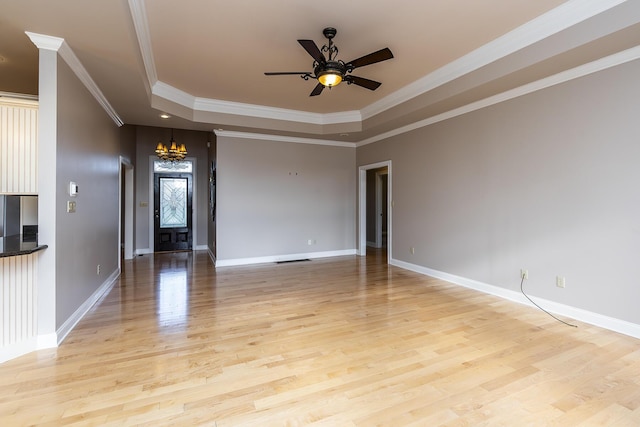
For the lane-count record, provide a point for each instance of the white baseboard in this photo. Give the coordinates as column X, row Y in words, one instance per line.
column 54, row 339
column 596, row 319
column 201, row 248
column 212, row 256
column 281, row 258
column 73, row 320
column 47, row 341
column 39, row 342
column 12, row 351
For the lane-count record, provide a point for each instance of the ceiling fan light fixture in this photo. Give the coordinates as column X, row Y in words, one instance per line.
column 331, row 74
column 330, row 71
column 330, row 78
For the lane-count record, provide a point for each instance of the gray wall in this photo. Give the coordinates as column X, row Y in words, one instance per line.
column 275, row 196
column 546, row 182
column 146, row 140
column 87, row 153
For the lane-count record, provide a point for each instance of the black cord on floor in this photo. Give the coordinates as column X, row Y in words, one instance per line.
column 559, row 320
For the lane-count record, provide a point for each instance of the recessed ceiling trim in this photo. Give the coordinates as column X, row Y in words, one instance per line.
column 558, row 19
column 172, row 94
column 565, row 76
column 342, row 117
column 141, row 24
column 552, row 22
column 252, row 110
column 66, row 53
column 185, row 99
column 281, row 138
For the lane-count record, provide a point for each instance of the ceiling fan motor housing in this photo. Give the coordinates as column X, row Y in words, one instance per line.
column 329, row 32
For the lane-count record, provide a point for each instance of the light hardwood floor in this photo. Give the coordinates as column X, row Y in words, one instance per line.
column 345, row 341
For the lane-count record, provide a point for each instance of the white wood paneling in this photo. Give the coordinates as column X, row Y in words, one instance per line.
column 18, row 146
column 18, row 300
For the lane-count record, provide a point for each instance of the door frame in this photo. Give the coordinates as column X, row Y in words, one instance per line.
column 125, row 175
column 157, row 183
column 362, row 207
column 194, row 204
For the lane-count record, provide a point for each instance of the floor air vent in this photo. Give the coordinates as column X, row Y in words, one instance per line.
column 292, row 260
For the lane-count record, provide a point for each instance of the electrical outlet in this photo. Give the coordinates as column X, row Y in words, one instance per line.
column 98, row 270
column 412, row 250
column 560, row 282
column 524, row 274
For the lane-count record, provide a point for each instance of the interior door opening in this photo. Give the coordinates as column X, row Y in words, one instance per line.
column 374, row 208
column 126, row 223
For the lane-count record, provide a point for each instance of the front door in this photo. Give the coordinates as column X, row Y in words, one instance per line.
column 172, row 203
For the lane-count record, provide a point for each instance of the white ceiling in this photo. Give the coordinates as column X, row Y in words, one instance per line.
column 203, row 61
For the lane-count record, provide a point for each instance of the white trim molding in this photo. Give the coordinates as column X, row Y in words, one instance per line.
column 280, row 138
column 19, row 97
column 184, row 99
column 282, row 258
column 616, row 59
column 95, row 298
column 141, row 25
column 596, row 319
column 66, row 53
column 554, row 21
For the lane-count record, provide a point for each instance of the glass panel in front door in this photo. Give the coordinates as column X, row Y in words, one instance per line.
column 173, row 202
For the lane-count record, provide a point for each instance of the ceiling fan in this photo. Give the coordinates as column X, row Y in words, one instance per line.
column 330, row 71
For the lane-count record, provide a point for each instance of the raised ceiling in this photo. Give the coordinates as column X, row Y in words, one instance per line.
column 203, row 61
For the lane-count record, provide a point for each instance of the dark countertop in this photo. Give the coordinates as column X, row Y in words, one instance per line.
column 19, row 245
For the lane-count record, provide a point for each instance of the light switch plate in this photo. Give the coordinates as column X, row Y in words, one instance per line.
column 73, row 189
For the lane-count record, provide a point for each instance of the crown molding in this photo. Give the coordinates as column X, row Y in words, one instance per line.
column 141, row 25
column 552, row 22
column 19, row 97
column 252, row 110
column 172, row 94
column 616, row 59
column 281, row 138
column 260, row 111
column 43, row 41
column 83, row 75
column 66, row 53
column 558, row 19
column 208, row 105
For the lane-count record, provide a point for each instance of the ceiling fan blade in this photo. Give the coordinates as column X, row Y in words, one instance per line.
column 317, row 90
column 361, row 81
column 286, row 73
column 372, row 58
column 312, row 49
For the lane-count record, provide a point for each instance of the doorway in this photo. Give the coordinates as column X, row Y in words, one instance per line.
column 381, row 187
column 173, row 202
column 126, row 177
column 381, row 203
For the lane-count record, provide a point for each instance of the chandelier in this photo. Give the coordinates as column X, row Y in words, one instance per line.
column 175, row 152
